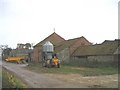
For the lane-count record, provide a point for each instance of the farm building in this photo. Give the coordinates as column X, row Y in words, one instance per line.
column 22, row 50
column 105, row 53
column 54, row 38
column 67, row 48
column 64, row 48
column 80, row 51
column 20, row 53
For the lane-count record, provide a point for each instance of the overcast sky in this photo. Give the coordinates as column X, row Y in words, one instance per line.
column 31, row 21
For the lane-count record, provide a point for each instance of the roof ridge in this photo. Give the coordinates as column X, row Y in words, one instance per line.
column 74, row 38
column 79, row 38
column 48, row 37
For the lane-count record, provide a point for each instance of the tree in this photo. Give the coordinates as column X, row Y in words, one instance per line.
column 5, row 51
column 2, row 47
column 27, row 45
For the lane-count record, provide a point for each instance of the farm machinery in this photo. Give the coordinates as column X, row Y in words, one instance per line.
column 19, row 60
column 49, row 58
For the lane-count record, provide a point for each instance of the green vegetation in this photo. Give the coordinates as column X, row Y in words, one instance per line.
column 10, row 81
column 68, row 69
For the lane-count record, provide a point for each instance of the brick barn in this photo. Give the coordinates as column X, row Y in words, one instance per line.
column 106, row 53
column 64, row 48
column 68, row 47
column 54, row 38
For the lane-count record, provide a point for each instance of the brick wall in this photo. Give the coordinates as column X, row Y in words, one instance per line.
column 35, row 54
column 79, row 42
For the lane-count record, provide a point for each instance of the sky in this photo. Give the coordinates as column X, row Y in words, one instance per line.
column 31, row 21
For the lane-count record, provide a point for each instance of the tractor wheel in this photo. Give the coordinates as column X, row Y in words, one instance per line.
column 43, row 64
column 58, row 66
column 48, row 64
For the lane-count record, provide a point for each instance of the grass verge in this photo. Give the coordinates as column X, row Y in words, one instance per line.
column 10, row 81
column 68, row 69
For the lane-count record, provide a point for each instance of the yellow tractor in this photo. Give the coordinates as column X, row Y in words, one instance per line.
column 49, row 59
column 55, row 61
column 51, row 62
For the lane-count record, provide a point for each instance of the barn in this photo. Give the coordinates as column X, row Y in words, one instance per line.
column 54, row 38
column 64, row 48
column 105, row 53
column 67, row 48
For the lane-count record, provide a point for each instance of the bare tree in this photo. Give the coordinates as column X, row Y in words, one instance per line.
column 2, row 47
column 5, row 51
column 27, row 45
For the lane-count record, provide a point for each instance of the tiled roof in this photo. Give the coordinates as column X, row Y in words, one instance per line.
column 54, row 38
column 66, row 44
column 106, row 48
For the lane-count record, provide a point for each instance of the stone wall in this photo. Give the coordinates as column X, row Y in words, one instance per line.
column 78, row 60
column 94, row 61
column 102, row 58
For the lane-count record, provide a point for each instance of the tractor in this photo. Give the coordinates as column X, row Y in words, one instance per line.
column 49, row 59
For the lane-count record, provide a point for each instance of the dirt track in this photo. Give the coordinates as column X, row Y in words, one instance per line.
column 37, row 80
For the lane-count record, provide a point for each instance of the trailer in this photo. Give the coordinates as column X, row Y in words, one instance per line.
column 19, row 60
column 14, row 58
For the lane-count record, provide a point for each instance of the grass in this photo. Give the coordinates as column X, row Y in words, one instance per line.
column 68, row 69
column 10, row 81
